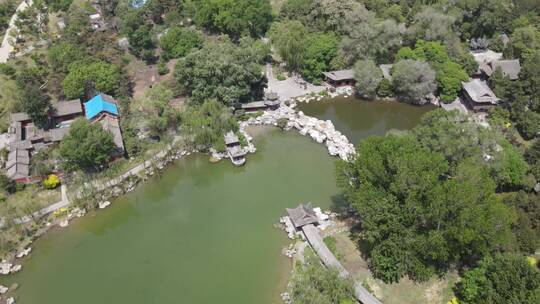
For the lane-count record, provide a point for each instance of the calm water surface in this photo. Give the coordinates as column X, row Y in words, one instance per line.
column 358, row 119
column 201, row 233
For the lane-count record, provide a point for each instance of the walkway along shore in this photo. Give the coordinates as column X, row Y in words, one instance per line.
column 6, row 48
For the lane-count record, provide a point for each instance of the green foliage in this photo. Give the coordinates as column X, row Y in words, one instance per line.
column 525, row 41
column 51, row 182
column 162, row 67
column 36, row 103
column 368, row 76
column 385, row 88
column 178, row 41
column 509, row 167
column 58, row 5
column 427, row 200
column 500, row 280
column 413, row 81
column 320, row 51
column 449, row 73
column 7, row 9
column 312, row 283
column 6, row 184
column 154, row 110
column 289, row 38
column 86, row 147
column 527, row 226
column 61, row 55
column 221, row 71
column 234, row 17
column 207, row 123
column 84, row 80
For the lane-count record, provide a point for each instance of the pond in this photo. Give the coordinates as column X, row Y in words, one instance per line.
column 202, row 232
column 358, row 119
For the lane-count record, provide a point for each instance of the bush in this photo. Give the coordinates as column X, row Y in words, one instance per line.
column 385, row 88
column 51, row 182
column 179, row 41
column 282, row 123
column 162, row 68
column 281, row 77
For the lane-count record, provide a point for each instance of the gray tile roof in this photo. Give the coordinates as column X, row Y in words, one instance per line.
column 65, row 108
column 340, row 75
column 21, row 116
column 111, row 124
column 509, row 68
column 480, row 92
column 18, row 163
column 302, row 215
column 231, row 138
column 59, row 133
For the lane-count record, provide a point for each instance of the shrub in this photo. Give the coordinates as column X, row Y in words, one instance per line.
column 281, row 77
column 51, row 182
column 282, row 123
column 162, row 68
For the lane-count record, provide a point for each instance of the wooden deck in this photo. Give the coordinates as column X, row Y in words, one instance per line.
column 314, row 239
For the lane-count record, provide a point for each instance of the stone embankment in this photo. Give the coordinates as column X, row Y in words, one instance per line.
column 319, row 130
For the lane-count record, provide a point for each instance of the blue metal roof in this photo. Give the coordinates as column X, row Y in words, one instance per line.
column 97, row 105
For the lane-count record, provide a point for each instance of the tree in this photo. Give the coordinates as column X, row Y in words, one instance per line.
column 155, row 111
column 289, row 38
column 59, row 5
column 234, row 17
column 368, row 77
column 431, row 25
column 509, row 167
column 36, row 104
column 312, row 283
column 413, row 81
column 450, row 75
column 178, row 41
column 524, row 41
column 86, row 147
column 221, row 71
column 500, row 280
column 61, row 55
column 321, row 50
column 84, row 80
column 420, row 212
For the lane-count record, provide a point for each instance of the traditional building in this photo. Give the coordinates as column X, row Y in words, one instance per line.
column 509, row 68
column 302, row 215
column 234, row 149
column 103, row 109
column 271, row 102
column 478, row 96
column 340, row 78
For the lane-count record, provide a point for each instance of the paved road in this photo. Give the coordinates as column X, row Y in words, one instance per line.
column 6, row 48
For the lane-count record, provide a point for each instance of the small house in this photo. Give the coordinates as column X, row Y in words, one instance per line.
column 509, row 68
column 302, row 215
column 231, row 140
column 236, row 153
column 478, row 96
column 340, row 78
column 103, row 108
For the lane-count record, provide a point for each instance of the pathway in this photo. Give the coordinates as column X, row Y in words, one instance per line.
column 64, row 202
column 314, row 239
column 291, row 87
column 6, row 48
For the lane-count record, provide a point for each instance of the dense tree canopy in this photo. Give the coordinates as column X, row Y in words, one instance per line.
column 86, row 147
column 413, row 81
column 500, row 280
column 222, row 71
column 178, row 41
column 234, row 17
column 84, row 80
column 368, row 76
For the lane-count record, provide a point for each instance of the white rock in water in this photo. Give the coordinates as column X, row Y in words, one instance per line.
column 5, row 267
column 15, row 268
column 3, row 289
column 105, row 204
column 24, row 252
column 10, row 301
column 64, row 224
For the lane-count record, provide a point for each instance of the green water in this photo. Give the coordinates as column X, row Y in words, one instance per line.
column 358, row 119
column 201, row 233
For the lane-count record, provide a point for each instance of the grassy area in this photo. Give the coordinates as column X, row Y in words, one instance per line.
column 29, row 200
column 434, row 291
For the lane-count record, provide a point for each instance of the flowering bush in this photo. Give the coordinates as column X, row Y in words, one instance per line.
column 51, row 182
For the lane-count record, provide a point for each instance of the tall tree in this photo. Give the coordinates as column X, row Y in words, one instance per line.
column 413, row 81
column 289, row 38
column 368, row 76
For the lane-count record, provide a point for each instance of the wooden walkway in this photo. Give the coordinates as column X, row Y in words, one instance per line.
column 314, row 239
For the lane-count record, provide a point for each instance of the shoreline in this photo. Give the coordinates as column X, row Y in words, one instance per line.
column 96, row 195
